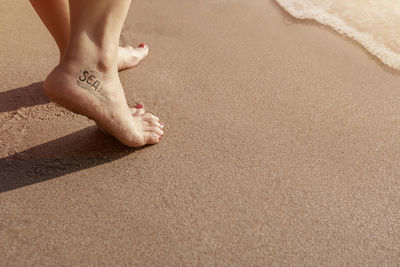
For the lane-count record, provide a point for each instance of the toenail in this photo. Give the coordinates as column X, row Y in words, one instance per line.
column 162, row 124
column 142, row 45
column 159, row 138
column 138, row 106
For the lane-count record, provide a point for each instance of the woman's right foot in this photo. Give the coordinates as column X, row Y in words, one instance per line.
column 99, row 96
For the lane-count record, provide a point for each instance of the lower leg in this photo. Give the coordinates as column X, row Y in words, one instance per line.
column 95, row 28
column 55, row 15
column 87, row 81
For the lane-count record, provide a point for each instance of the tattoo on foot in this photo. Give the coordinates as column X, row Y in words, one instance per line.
column 89, row 80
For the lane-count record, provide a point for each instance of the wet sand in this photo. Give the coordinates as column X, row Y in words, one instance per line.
column 282, row 147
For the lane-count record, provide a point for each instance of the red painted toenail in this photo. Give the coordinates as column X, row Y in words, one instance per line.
column 138, row 106
column 159, row 138
column 142, row 45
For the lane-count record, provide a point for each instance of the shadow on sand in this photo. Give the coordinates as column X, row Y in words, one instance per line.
column 27, row 96
column 77, row 151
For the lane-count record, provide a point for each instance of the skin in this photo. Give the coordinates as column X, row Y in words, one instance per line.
column 86, row 81
column 55, row 15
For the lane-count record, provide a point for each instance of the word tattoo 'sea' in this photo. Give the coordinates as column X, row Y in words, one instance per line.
column 87, row 80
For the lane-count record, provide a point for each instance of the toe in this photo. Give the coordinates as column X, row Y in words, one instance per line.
column 144, row 47
column 150, row 117
column 140, row 52
column 153, row 138
column 137, row 110
column 154, row 129
column 153, row 123
column 129, row 57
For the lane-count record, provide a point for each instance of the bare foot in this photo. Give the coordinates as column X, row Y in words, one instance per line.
column 129, row 57
column 100, row 96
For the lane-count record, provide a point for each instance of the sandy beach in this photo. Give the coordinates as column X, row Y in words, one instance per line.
column 282, row 146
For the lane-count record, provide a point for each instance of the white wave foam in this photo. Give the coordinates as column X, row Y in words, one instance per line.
column 373, row 23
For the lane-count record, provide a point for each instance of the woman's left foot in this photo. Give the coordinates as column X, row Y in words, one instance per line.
column 129, row 57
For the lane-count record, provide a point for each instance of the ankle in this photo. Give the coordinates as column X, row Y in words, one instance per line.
column 107, row 60
column 102, row 60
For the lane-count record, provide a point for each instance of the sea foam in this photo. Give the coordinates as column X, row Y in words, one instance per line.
column 373, row 23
